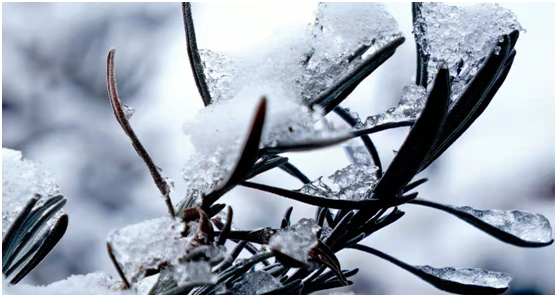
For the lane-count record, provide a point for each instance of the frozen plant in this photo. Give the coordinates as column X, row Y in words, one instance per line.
column 464, row 55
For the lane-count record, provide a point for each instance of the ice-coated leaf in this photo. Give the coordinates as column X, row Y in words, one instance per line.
column 450, row 279
column 463, row 37
column 255, row 283
column 514, row 227
column 297, row 240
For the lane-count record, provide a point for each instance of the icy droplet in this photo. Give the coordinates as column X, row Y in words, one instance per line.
column 256, row 283
column 469, row 276
column 128, row 111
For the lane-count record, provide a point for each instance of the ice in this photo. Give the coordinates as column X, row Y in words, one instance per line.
column 307, row 60
column 410, row 106
column 469, row 276
column 21, row 180
column 297, row 240
column 188, row 273
column 149, row 245
column 469, row 34
column 354, row 183
column 128, row 111
column 339, row 30
column 357, row 152
column 526, row 226
column 255, row 283
column 218, row 133
column 96, row 283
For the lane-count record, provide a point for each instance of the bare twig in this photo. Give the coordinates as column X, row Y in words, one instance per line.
column 123, row 121
column 117, row 266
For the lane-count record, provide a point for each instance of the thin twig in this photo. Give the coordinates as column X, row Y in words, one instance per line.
column 117, row 266
column 124, row 123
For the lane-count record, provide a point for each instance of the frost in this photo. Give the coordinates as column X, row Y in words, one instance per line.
column 128, row 111
column 96, row 283
column 198, row 272
column 21, row 180
column 256, row 283
column 469, row 276
column 468, row 34
column 297, row 240
column 148, row 245
column 305, row 62
column 354, row 183
column 410, row 106
column 526, row 226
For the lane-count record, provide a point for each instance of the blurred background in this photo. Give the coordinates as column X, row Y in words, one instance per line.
column 55, row 109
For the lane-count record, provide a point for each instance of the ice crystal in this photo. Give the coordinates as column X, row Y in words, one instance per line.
column 256, row 283
column 21, row 180
column 526, row 226
column 128, row 111
column 354, row 183
column 297, row 240
column 148, row 245
column 469, row 276
column 410, row 106
column 463, row 37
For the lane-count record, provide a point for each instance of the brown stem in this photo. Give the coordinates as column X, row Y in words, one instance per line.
column 124, row 123
column 117, row 266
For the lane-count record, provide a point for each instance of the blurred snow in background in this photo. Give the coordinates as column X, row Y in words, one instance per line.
column 55, row 109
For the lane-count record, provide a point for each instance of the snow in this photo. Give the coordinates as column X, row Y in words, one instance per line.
column 305, row 62
column 149, row 245
column 21, row 180
column 526, row 226
column 354, row 182
column 218, row 133
column 96, row 283
column 469, row 276
column 255, row 283
column 410, row 106
column 455, row 33
column 297, row 240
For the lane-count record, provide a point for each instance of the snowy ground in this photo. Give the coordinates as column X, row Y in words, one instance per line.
column 56, row 111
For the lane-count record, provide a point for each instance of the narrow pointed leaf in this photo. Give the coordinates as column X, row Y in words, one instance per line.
column 453, row 280
column 414, row 185
column 54, row 235
column 306, row 145
column 193, row 54
column 327, row 202
column 248, row 157
column 419, row 141
column 295, row 172
column 513, row 227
